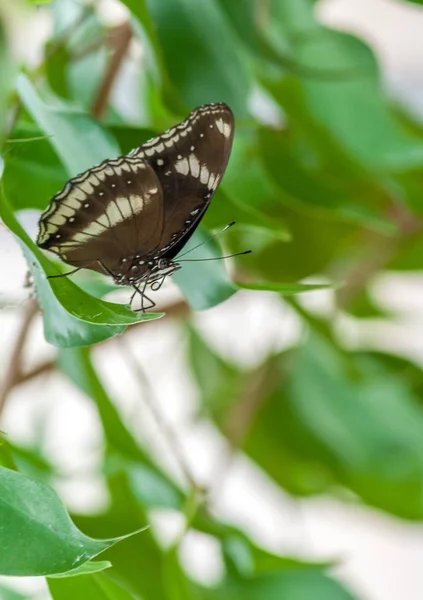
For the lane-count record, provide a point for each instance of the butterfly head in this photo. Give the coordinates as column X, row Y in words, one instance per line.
column 138, row 269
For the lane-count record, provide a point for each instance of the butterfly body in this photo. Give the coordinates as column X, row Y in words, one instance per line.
column 129, row 217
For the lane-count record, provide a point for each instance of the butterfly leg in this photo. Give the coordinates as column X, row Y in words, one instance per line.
column 141, row 292
column 156, row 285
column 133, row 296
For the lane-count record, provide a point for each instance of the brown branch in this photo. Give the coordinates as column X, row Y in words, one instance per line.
column 15, row 367
column 377, row 250
column 57, row 44
column 175, row 311
column 120, row 43
column 241, row 415
column 42, row 369
column 240, row 418
column 152, row 403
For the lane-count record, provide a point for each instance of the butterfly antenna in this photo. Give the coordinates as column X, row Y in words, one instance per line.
column 65, row 274
column 208, row 239
column 216, row 257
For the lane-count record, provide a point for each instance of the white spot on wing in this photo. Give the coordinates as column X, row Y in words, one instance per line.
column 223, row 127
column 118, row 170
column 168, row 133
column 113, row 213
column 102, row 219
column 76, row 196
column 151, row 142
column 194, row 165
column 125, row 207
column 227, row 130
column 182, row 166
column 58, row 220
column 81, row 236
column 107, row 172
column 216, row 182
column 219, row 125
column 204, row 175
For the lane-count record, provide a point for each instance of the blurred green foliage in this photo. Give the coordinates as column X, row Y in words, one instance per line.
column 325, row 180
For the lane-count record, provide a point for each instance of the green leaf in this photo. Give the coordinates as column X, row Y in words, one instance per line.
column 366, row 307
column 29, row 461
column 31, row 164
column 348, row 107
column 208, row 284
column 94, row 587
column 187, row 31
column 227, row 208
column 285, row 289
column 238, row 556
column 56, row 65
column 243, row 557
column 71, row 317
column 152, row 489
column 306, row 185
column 6, row 78
column 85, row 569
column 245, row 17
column 335, row 421
column 138, row 560
column 131, row 137
column 177, row 585
column 220, row 382
column 6, row 456
column 367, row 426
column 79, row 141
column 246, row 180
column 89, row 43
column 297, row 585
column 38, row 537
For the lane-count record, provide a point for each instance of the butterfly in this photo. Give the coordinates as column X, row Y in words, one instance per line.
column 129, row 217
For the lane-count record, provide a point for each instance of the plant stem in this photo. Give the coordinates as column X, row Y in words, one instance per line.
column 15, row 367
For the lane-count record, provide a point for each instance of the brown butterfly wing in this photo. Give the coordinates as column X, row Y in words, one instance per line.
column 189, row 160
column 106, row 216
column 124, row 212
